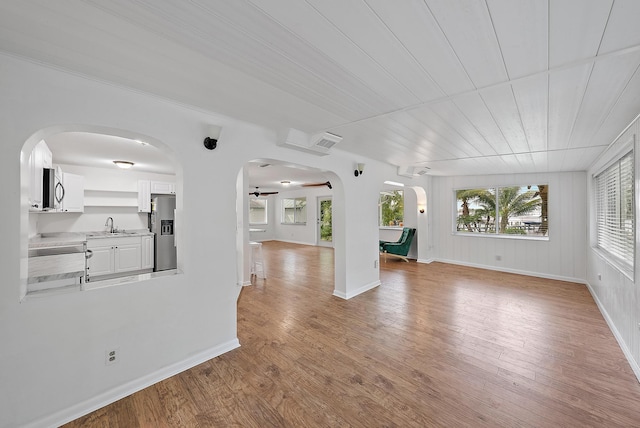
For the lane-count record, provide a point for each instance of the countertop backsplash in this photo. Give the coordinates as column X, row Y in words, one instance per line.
column 93, row 219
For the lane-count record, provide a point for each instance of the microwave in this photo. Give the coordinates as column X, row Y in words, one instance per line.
column 52, row 189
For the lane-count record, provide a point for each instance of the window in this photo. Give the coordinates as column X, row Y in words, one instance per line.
column 294, row 211
column 513, row 210
column 257, row 211
column 391, row 208
column 615, row 211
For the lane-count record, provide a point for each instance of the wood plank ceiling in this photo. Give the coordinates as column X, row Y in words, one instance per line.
column 463, row 87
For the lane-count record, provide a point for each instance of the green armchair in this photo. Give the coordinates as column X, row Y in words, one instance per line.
column 400, row 248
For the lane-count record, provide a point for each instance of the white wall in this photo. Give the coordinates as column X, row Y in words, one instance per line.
column 52, row 349
column 299, row 233
column 617, row 295
column 563, row 256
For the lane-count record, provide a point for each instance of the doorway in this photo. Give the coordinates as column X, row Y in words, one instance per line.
column 325, row 224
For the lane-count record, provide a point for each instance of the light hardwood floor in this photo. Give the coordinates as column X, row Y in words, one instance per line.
column 434, row 345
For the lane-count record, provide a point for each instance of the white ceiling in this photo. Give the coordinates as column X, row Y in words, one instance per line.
column 99, row 151
column 463, row 87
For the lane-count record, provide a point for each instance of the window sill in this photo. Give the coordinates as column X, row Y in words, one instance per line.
column 294, row 224
column 501, row 236
column 391, row 227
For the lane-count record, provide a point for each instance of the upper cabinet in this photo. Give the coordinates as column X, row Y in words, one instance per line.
column 73, row 188
column 163, row 188
column 146, row 188
column 144, row 196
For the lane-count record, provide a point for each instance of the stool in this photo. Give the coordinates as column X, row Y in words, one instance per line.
column 257, row 261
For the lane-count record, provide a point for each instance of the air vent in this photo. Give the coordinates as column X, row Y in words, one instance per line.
column 318, row 144
column 412, row 171
column 327, row 140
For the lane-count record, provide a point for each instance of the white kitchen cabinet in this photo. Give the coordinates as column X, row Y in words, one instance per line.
column 147, row 252
column 101, row 261
column 127, row 257
column 144, row 196
column 73, row 200
column 115, row 256
column 163, row 188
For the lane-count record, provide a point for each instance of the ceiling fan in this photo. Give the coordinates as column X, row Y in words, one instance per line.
column 326, row 183
column 257, row 193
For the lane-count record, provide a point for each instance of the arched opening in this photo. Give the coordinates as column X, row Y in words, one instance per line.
column 287, row 203
column 75, row 198
column 404, row 206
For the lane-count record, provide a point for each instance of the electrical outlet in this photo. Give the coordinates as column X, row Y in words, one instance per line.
column 498, row 258
column 599, row 277
column 111, row 356
column 375, row 264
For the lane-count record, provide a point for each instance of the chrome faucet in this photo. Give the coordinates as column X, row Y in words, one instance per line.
column 110, row 226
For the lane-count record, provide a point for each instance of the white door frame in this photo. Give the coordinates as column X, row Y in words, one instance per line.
column 319, row 200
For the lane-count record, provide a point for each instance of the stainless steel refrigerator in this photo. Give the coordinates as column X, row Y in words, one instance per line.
column 161, row 223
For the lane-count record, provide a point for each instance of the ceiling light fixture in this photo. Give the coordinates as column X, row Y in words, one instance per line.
column 124, row 164
column 285, row 182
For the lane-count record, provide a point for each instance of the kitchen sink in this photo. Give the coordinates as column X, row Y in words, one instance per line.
column 118, row 233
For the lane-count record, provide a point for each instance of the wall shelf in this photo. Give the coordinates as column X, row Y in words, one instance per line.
column 110, row 198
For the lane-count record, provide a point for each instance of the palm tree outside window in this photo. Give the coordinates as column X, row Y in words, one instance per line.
column 509, row 210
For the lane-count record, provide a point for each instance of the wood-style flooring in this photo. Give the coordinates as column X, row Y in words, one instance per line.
column 434, row 345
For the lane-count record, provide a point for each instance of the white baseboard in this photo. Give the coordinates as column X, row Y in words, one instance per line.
column 426, row 261
column 347, row 296
column 625, row 349
column 295, row 242
column 508, row 270
column 94, row 403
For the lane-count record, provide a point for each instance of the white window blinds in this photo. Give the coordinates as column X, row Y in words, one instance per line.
column 615, row 211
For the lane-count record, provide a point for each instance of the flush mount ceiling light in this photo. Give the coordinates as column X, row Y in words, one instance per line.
column 124, row 164
column 285, row 182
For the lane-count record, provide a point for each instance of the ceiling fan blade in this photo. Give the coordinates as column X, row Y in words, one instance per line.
column 326, row 183
column 257, row 193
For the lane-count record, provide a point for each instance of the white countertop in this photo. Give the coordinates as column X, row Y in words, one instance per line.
column 59, row 239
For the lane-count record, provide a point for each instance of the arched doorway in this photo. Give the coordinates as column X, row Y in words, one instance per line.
column 278, row 201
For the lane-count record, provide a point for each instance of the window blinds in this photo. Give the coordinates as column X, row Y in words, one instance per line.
column 615, row 210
